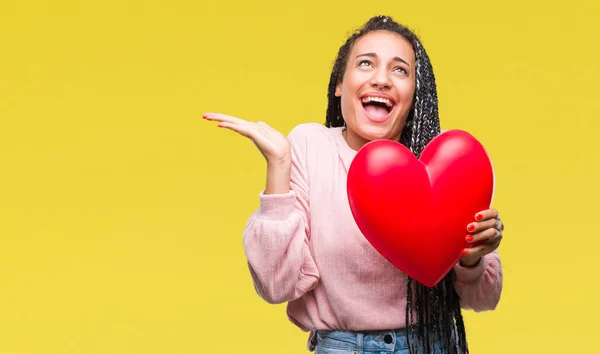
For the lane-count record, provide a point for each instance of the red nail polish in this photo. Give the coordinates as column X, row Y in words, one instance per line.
column 478, row 217
column 470, row 228
column 469, row 238
column 463, row 252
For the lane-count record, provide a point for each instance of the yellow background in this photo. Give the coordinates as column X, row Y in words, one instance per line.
column 121, row 211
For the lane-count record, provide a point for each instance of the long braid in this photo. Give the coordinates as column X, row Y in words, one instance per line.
column 426, row 102
column 437, row 309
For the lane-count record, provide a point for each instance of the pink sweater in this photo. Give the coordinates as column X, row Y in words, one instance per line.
column 304, row 248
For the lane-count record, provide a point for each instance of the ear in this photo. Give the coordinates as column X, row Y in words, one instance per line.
column 338, row 90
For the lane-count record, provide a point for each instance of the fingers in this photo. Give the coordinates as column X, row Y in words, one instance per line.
column 258, row 132
column 486, row 236
column 486, row 215
column 473, row 251
column 475, row 227
column 484, row 220
column 234, row 123
column 274, row 146
column 482, row 249
column 500, row 225
column 223, row 118
column 247, row 130
column 219, row 117
column 243, row 127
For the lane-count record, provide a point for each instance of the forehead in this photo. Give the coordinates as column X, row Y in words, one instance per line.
column 385, row 44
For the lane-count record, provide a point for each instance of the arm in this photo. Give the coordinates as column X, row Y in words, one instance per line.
column 276, row 237
column 478, row 279
column 480, row 287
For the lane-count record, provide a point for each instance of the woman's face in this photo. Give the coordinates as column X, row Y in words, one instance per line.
column 377, row 88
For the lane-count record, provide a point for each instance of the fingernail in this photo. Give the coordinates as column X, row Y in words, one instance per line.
column 478, row 217
column 470, row 228
column 469, row 238
column 463, row 252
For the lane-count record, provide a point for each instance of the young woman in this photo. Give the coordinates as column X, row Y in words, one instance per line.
column 302, row 244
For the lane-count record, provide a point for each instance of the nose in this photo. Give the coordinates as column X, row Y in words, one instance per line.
column 381, row 79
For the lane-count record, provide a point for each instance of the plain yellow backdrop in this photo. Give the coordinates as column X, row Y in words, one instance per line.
column 121, row 210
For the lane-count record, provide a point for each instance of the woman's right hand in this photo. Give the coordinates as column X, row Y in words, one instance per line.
column 274, row 146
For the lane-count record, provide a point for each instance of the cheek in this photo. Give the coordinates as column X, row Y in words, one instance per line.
column 406, row 89
column 348, row 102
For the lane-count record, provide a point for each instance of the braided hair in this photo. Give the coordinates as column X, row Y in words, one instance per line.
column 437, row 309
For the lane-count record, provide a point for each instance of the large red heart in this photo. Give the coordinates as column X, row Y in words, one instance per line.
column 415, row 212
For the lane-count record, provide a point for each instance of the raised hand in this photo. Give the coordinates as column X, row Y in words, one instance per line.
column 274, row 146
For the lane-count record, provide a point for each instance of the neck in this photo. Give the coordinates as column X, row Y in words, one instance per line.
column 354, row 141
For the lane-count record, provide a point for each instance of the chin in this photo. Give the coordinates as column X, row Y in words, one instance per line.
column 370, row 131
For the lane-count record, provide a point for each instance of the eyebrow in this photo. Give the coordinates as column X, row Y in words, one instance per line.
column 373, row 55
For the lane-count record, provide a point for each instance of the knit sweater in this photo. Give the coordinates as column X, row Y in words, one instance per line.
column 304, row 248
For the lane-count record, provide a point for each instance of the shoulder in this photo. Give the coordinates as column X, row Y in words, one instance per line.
column 311, row 133
column 312, row 138
column 309, row 130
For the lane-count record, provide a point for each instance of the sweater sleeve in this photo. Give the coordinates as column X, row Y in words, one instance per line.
column 276, row 237
column 480, row 287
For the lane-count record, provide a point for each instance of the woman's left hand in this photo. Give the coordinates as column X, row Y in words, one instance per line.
column 485, row 234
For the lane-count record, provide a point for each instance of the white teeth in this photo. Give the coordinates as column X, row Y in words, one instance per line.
column 377, row 99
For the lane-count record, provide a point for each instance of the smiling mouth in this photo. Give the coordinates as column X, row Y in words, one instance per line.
column 377, row 108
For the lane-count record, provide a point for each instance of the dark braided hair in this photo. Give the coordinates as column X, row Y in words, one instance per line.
column 437, row 309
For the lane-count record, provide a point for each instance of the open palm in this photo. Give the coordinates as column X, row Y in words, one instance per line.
column 272, row 144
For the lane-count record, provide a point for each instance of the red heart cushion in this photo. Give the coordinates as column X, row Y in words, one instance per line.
column 415, row 212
